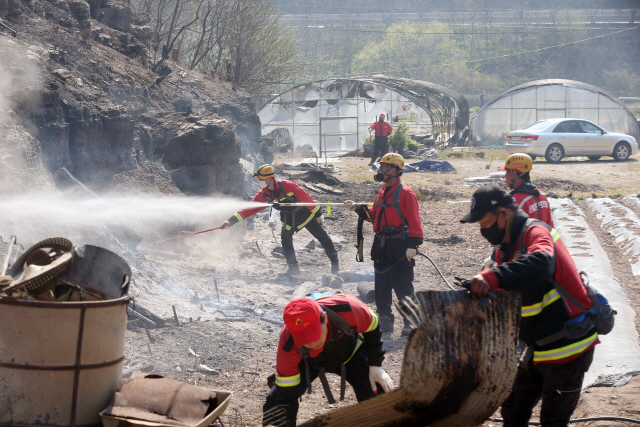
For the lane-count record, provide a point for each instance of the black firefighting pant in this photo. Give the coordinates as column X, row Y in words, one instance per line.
column 380, row 147
column 398, row 278
column 558, row 385
column 316, row 231
column 287, row 397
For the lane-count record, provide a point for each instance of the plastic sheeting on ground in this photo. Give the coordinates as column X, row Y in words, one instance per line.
column 423, row 166
column 623, row 224
column 617, row 358
column 429, row 166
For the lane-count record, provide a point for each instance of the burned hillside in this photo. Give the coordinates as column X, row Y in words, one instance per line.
column 90, row 96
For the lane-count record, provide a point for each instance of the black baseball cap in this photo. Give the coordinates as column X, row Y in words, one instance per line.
column 486, row 199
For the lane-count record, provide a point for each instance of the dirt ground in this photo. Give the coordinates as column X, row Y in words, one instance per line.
column 241, row 289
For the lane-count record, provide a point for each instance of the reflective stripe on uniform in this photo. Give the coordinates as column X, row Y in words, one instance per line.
column 374, row 322
column 555, row 235
column 566, row 351
column 526, row 199
column 288, row 381
column 237, row 215
column 533, row 309
column 359, row 342
column 313, row 212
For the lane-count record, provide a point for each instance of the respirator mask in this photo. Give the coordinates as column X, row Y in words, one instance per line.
column 262, row 184
column 379, row 177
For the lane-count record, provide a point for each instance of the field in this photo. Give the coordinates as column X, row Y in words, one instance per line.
column 231, row 321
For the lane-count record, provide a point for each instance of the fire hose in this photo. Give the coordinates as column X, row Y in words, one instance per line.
column 579, row 420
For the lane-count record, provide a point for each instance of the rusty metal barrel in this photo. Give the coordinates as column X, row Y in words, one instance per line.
column 61, row 362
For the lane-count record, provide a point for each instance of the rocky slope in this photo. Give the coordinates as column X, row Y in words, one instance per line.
column 87, row 93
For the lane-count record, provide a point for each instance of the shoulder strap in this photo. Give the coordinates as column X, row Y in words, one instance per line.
column 347, row 327
column 288, row 346
column 557, row 285
column 281, row 192
column 396, row 204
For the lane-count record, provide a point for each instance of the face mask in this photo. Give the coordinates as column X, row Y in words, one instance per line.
column 262, row 184
column 380, row 176
column 494, row 234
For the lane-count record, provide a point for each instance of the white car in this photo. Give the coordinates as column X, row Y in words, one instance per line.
column 558, row 138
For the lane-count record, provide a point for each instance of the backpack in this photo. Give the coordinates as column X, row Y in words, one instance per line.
column 601, row 315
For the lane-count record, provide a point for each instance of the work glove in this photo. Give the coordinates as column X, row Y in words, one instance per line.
column 350, row 205
column 411, row 253
column 320, row 220
column 378, row 375
column 487, row 263
column 225, row 225
column 273, row 224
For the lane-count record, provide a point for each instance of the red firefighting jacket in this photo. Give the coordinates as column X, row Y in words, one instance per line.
column 358, row 315
column 290, row 192
column 544, row 311
column 382, row 129
column 386, row 216
column 523, row 197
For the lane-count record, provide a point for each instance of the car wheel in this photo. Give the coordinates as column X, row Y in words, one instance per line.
column 594, row 158
column 622, row 151
column 555, row 153
column 533, row 158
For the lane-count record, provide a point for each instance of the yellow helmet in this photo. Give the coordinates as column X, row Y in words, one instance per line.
column 519, row 162
column 393, row 159
column 264, row 172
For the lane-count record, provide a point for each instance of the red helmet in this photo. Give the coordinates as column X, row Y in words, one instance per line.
column 382, row 116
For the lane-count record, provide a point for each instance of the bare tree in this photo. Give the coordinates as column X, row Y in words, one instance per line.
column 261, row 51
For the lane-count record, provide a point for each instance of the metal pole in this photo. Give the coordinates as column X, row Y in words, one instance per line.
column 357, row 115
column 320, row 122
column 293, row 122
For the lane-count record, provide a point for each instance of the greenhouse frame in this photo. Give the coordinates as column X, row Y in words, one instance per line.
column 333, row 116
column 545, row 99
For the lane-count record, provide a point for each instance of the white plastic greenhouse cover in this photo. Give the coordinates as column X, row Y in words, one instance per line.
column 344, row 122
column 617, row 357
column 546, row 99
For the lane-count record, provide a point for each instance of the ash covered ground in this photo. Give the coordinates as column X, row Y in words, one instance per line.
column 233, row 288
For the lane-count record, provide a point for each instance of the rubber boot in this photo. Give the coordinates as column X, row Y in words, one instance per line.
column 293, row 269
column 407, row 328
column 335, row 267
column 386, row 323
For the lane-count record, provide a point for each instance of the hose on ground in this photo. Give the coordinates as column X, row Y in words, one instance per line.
column 438, row 270
column 579, row 420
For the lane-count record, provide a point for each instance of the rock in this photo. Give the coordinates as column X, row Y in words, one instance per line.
column 307, row 288
column 81, row 11
column 203, row 156
column 116, row 17
column 333, row 281
column 366, row 290
column 62, row 73
column 4, row 7
column 142, row 33
column 352, row 276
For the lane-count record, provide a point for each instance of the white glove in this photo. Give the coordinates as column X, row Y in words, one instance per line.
column 225, row 225
column 488, row 262
column 378, row 375
column 350, row 205
column 320, row 220
column 411, row 253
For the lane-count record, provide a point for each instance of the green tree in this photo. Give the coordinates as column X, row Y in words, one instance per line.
column 399, row 138
column 415, row 51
